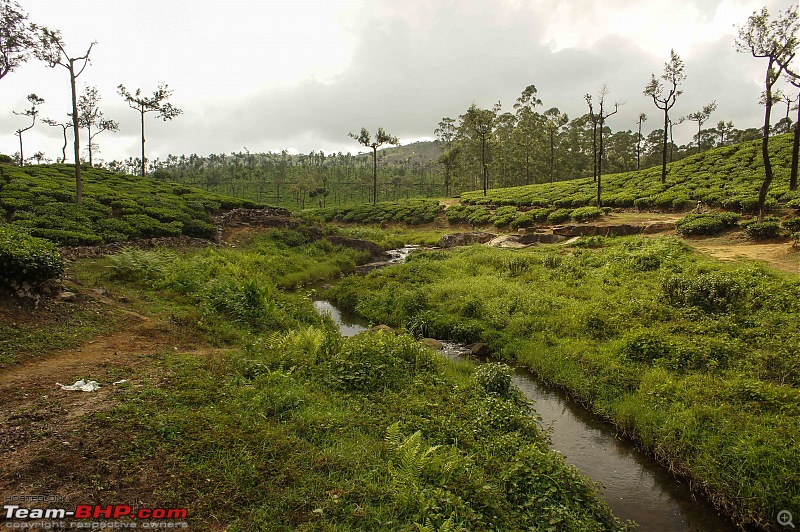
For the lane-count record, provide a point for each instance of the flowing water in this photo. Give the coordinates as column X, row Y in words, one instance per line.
column 635, row 486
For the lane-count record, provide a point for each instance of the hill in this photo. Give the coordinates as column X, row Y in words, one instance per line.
column 726, row 177
column 423, row 152
column 115, row 207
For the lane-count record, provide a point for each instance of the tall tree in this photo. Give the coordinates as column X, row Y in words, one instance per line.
column 52, row 51
column 91, row 116
column 776, row 41
column 157, row 103
column 602, row 115
column 17, row 36
column 31, row 113
column 381, row 138
column 724, row 130
column 478, row 124
column 64, row 127
column 673, row 75
column 554, row 120
column 527, row 123
column 639, row 139
column 593, row 119
column 796, row 141
column 701, row 117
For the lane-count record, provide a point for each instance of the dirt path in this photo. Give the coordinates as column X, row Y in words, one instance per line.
column 736, row 247
column 43, row 448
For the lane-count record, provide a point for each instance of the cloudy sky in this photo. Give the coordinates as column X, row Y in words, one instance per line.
column 300, row 75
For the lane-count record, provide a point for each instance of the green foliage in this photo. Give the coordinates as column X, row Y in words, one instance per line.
column 727, row 177
column 762, row 230
column 792, row 224
column 495, row 378
column 586, row 214
column 559, row 216
column 27, row 258
column 115, row 208
column 412, row 212
column 697, row 359
column 706, row 223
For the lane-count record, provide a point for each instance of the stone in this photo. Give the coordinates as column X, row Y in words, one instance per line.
column 68, row 297
column 382, row 328
column 479, row 349
column 506, row 241
column 357, row 244
column 465, row 239
column 433, row 343
column 540, row 238
column 597, row 230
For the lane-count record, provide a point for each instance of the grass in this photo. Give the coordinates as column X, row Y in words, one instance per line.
column 297, row 428
column 697, row 360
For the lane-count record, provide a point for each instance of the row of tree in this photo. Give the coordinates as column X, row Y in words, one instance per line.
column 20, row 40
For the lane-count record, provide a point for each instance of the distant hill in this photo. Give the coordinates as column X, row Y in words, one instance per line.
column 728, row 177
column 423, row 152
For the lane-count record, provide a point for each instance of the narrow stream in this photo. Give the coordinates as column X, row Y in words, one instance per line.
column 635, row 486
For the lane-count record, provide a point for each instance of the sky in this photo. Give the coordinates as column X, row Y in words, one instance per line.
column 300, row 75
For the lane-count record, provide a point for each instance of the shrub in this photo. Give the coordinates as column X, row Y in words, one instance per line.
column 27, row 258
column 522, row 220
column 708, row 291
column 495, row 378
column 762, row 230
column 559, row 216
column 792, row 224
column 706, row 223
column 585, row 214
column 646, row 347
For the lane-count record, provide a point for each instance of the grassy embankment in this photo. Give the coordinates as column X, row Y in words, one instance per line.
column 698, row 360
column 297, row 428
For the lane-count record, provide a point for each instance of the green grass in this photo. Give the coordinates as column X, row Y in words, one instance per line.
column 297, row 428
column 411, row 212
column 727, row 177
column 698, row 360
column 41, row 199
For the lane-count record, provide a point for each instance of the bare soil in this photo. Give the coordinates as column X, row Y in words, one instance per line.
column 735, row 246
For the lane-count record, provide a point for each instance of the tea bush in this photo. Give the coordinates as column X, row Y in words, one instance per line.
column 762, row 230
column 27, row 258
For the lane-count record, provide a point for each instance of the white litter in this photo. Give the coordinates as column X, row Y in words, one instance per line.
column 80, row 386
column 120, row 382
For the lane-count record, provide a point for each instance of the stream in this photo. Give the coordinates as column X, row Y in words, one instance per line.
column 635, row 485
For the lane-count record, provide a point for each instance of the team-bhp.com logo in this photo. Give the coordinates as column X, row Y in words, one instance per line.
column 112, row 516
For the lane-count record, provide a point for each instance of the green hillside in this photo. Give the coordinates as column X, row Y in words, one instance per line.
column 726, row 177
column 115, row 207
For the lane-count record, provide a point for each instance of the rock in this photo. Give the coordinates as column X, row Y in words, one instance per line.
column 68, row 297
column 465, row 239
column 479, row 349
column 382, row 328
column 658, row 227
column 356, row 243
column 506, row 241
column 540, row 238
column 432, row 343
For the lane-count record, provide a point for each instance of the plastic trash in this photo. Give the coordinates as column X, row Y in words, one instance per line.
column 80, row 386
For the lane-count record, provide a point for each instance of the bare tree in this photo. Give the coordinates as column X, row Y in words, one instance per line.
column 91, row 116
column 150, row 104
column 794, row 80
column 52, row 51
column 381, row 138
column 593, row 118
column 639, row 138
column 17, row 37
column 776, row 41
column 64, row 127
column 701, row 117
column 602, row 115
column 31, row 113
column 673, row 75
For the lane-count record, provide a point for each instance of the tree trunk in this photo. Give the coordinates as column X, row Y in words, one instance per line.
column 762, row 192
column 374, row 175
column 21, row 154
column 600, row 160
column 89, row 130
column 795, row 149
column 64, row 148
column 639, row 146
column 141, row 111
column 483, row 164
column 594, row 149
column 664, row 150
column 76, row 133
